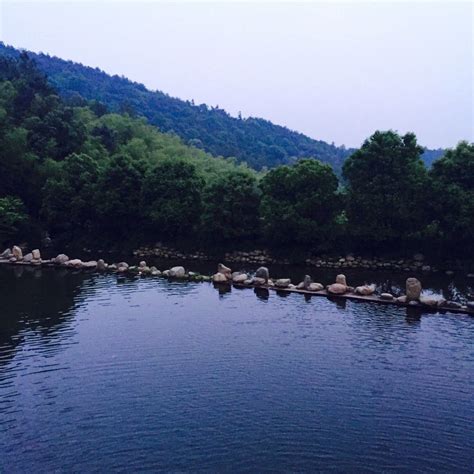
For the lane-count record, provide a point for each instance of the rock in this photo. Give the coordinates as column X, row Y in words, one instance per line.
column 112, row 267
column 315, row 287
column 36, row 254
column 341, row 279
column 292, row 286
column 300, row 286
column 240, row 278
column 429, row 301
column 257, row 281
column 283, row 283
column 402, row 299
column 61, row 259
column 28, row 257
column 426, row 268
column 449, row 272
column 7, row 254
column 142, row 264
column 262, row 272
column 154, row 271
column 470, row 275
column 307, row 281
column 219, row 278
column 365, row 290
column 226, row 271
column 337, row 288
column 166, row 273
column 17, row 252
column 101, row 265
column 386, row 296
column 144, row 270
column 418, row 257
column 413, row 289
column 75, row 263
column 122, row 267
column 177, row 272
column 470, row 305
column 249, row 281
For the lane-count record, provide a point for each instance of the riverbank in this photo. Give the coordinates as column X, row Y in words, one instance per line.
column 259, row 281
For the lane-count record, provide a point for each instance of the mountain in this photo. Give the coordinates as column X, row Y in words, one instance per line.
column 258, row 142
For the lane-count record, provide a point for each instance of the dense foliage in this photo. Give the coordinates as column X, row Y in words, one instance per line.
column 75, row 171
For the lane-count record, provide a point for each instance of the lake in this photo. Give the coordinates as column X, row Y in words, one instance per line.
column 100, row 373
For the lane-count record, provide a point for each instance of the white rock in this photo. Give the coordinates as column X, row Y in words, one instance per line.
column 177, row 272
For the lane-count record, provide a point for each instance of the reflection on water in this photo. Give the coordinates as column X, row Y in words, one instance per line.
column 99, row 373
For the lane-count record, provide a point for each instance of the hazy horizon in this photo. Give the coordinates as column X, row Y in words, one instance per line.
column 334, row 71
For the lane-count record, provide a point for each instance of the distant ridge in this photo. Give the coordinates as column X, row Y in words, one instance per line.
column 258, row 142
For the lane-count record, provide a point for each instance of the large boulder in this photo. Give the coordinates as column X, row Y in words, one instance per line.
column 413, row 289
column 365, row 290
column 17, row 252
column 219, row 278
column 341, row 279
column 226, row 271
column 36, row 254
column 61, row 259
column 177, row 272
column 337, row 288
column 283, row 283
column 262, row 272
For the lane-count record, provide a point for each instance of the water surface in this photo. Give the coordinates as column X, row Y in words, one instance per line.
column 100, row 374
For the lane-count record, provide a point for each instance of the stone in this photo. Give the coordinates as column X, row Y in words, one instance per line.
column 101, row 265
column 112, row 267
column 75, row 263
column 365, row 290
column 262, row 272
column 449, row 272
column 154, row 271
column 240, row 278
column 413, row 289
column 144, row 270
column 337, row 288
column 61, row 259
column 315, row 287
column 142, row 264
column 28, row 257
column 226, row 271
column 300, row 286
column 402, row 299
column 292, row 286
column 17, row 252
column 257, row 281
column 386, row 296
column 470, row 305
column 166, row 273
column 36, row 254
column 283, row 283
column 453, row 305
column 470, row 275
column 219, row 278
column 429, row 301
column 122, row 267
column 90, row 265
column 177, row 272
column 307, row 281
column 7, row 253
column 341, row 279
column 418, row 257
column 426, row 268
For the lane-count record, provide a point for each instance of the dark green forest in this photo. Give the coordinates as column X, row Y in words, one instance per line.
column 76, row 170
column 259, row 143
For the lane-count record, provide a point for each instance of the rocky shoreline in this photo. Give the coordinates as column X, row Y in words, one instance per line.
column 260, row 280
column 416, row 264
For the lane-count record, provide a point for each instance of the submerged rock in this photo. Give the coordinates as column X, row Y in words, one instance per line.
column 413, row 289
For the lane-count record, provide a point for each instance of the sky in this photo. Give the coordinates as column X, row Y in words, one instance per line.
column 334, row 71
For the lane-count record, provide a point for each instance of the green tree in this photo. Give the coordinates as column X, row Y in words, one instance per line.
column 12, row 216
column 69, row 198
column 386, row 188
column 171, row 198
column 300, row 204
column 231, row 206
column 452, row 200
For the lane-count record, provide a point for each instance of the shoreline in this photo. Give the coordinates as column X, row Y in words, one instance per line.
column 261, row 281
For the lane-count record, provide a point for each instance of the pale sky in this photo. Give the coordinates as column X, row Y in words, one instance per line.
column 334, row 71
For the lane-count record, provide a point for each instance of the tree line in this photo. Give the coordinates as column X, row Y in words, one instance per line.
column 79, row 172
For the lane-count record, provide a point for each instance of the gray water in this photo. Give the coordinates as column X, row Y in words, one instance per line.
column 99, row 374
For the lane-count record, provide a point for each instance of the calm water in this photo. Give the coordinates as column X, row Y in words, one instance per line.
column 99, row 375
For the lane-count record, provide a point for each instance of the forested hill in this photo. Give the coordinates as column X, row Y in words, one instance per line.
column 258, row 142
